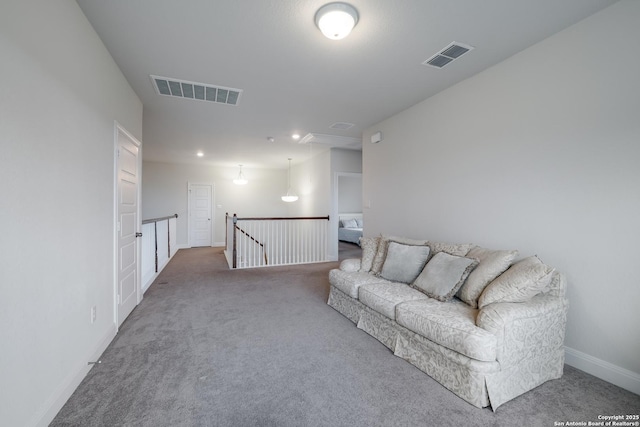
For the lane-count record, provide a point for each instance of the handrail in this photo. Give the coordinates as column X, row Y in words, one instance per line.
column 266, row 262
column 155, row 221
column 147, row 221
column 284, row 218
column 281, row 241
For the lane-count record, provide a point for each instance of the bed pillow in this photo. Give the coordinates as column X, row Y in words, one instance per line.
column 521, row 282
column 443, row 275
column 349, row 223
column 492, row 264
column 381, row 253
column 360, row 222
column 404, row 263
column 369, row 247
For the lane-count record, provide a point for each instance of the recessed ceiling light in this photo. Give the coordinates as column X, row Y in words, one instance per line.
column 295, row 136
column 270, row 139
column 199, row 154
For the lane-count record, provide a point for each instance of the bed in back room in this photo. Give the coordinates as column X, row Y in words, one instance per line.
column 350, row 227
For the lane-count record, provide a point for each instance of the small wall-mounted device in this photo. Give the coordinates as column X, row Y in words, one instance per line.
column 376, row 137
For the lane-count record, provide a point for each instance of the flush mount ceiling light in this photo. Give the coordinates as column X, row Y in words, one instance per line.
column 199, row 154
column 290, row 196
column 240, row 180
column 336, row 20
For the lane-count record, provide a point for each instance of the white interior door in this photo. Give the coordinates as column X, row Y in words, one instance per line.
column 200, row 214
column 128, row 223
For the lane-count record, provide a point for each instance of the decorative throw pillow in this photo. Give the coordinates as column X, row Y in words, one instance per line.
column 521, row 282
column 349, row 223
column 457, row 249
column 369, row 247
column 443, row 275
column 381, row 254
column 403, row 263
column 492, row 264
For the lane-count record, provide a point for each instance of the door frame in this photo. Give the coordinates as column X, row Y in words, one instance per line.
column 335, row 209
column 119, row 128
column 212, row 213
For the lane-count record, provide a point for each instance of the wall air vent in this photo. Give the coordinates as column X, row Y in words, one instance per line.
column 196, row 91
column 450, row 53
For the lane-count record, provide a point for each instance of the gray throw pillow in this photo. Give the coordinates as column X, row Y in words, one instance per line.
column 443, row 275
column 403, row 263
column 381, row 254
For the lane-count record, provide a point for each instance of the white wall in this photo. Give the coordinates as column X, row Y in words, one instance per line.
column 164, row 192
column 538, row 153
column 349, row 193
column 61, row 94
column 311, row 180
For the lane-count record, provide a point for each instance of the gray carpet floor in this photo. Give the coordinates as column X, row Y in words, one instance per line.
column 213, row 347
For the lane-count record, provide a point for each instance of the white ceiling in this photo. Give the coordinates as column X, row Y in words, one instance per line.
column 293, row 78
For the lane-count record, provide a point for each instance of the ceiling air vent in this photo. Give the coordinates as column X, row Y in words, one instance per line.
column 196, row 91
column 452, row 52
column 342, row 126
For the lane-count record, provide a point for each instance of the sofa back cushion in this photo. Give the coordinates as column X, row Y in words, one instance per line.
column 369, row 247
column 443, row 275
column 404, row 263
column 521, row 282
column 492, row 264
column 457, row 249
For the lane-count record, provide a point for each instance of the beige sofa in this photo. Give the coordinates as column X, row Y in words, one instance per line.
column 485, row 325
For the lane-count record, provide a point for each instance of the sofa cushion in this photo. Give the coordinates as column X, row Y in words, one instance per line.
column 381, row 253
column 349, row 281
column 404, row 262
column 369, row 247
column 450, row 324
column 457, row 249
column 443, row 275
column 384, row 297
column 521, row 282
column 492, row 264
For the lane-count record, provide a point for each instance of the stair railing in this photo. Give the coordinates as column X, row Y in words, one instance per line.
column 262, row 241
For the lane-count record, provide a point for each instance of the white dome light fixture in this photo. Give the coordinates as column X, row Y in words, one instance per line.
column 336, row 20
column 290, row 196
column 240, row 180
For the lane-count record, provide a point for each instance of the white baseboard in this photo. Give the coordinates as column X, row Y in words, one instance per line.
column 218, row 244
column 52, row 406
column 604, row 370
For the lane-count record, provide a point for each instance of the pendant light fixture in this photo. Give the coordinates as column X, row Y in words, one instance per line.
column 240, row 180
column 336, row 20
column 290, row 196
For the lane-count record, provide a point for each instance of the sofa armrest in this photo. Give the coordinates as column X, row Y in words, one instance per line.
column 350, row 265
column 525, row 330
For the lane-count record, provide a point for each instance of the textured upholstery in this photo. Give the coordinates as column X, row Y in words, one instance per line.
column 349, row 282
column 384, row 297
column 451, row 325
column 485, row 356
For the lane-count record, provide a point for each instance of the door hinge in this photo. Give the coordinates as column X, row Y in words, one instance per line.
column 118, row 226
